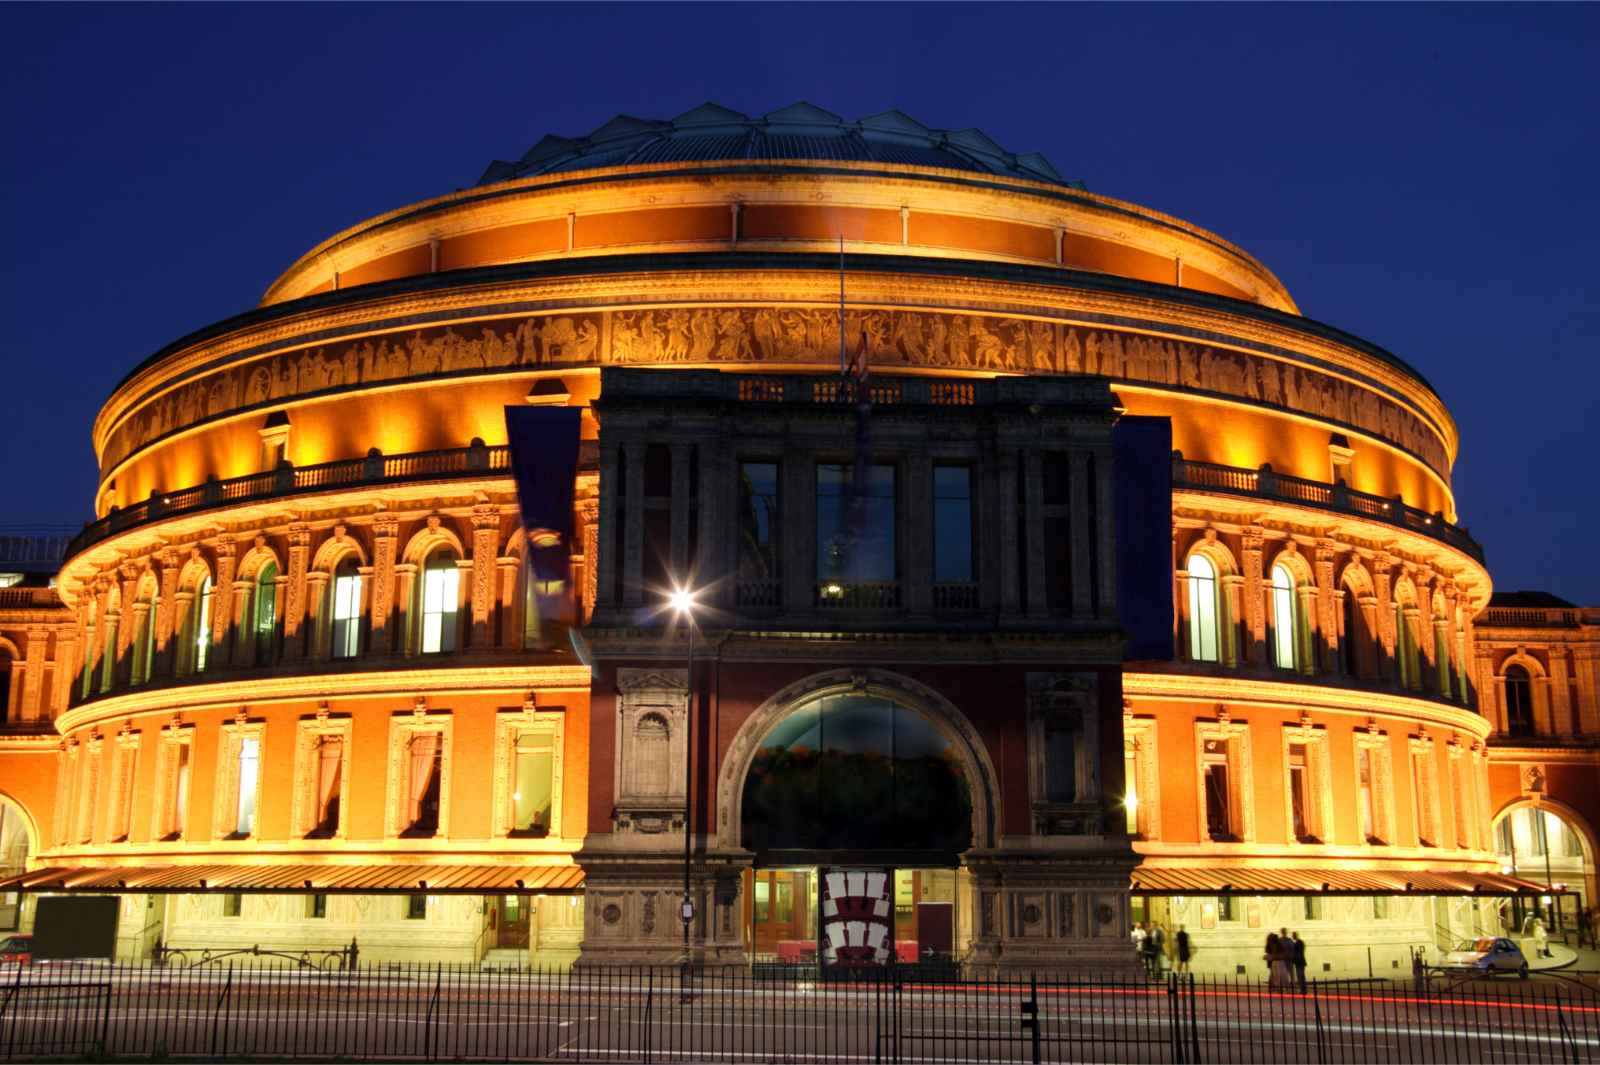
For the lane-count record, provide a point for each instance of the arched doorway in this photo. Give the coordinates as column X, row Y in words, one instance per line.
column 1549, row 844
column 857, row 800
column 16, row 844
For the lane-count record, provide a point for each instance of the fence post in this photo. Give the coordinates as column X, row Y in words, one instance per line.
column 649, row 1008
column 1316, row 1006
column 1030, row 1017
column 1194, row 1019
column 1174, row 1019
column 427, row 1037
column 1566, row 1033
column 222, row 1001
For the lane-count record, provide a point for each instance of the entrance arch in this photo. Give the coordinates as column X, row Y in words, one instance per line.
column 1548, row 842
column 901, row 691
column 19, row 840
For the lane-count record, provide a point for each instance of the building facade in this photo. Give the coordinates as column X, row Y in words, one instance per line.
column 292, row 686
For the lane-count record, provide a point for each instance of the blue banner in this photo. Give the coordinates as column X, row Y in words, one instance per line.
column 544, row 460
column 1143, row 456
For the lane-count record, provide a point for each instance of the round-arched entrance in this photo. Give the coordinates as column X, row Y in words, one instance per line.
column 16, row 844
column 857, row 795
column 1548, row 843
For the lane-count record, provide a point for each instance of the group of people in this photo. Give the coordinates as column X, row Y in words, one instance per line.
column 1286, row 960
column 1161, row 950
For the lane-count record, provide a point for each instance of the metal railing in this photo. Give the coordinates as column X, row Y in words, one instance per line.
column 33, row 548
column 376, row 468
column 1264, row 483
column 461, row 1013
column 21, row 597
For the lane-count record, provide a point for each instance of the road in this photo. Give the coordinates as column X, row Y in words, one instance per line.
column 648, row 1016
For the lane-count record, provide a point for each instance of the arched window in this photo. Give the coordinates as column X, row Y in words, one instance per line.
column 441, row 589
column 1285, row 618
column 1204, row 610
column 1519, row 702
column 144, row 639
column 199, row 627
column 652, row 746
column 265, row 620
column 344, row 597
column 1347, row 640
column 86, row 682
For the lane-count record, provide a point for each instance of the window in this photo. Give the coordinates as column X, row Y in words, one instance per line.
column 144, row 649
column 1300, row 796
column 346, row 613
column 249, row 780
column 1424, row 793
column 1374, row 784
column 1203, row 609
column 416, row 907
column 424, row 768
column 1380, row 907
column 317, row 907
column 1130, row 788
column 174, row 770
column 441, row 592
column 763, row 899
column 1063, row 737
column 1218, row 795
column 200, row 625
column 329, row 765
column 1347, row 642
column 87, row 681
column 1226, row 910
column 952, row 525
column 1284, row 618
column 533, row 792
column 856, row 525
column 1141, row 799
column 1368, row 800
column 122, row 786
column 265, row 622
column 1519, row 701
column 232, row 904
column 758, row 533
column 1313, row 907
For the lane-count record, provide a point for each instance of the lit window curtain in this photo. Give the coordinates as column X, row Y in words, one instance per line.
column 202, row 625
column 328, row 766
column 346, row 612
column 249, row 773
column 423, row 747
column 266, row 619
column 1202, row 609
column 441, row 581
column 1283, row 617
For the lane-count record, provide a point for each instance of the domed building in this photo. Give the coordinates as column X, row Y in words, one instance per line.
column 837, row 613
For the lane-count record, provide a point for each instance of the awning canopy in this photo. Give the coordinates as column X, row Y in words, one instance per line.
column 1171, row 880
column 318, row 879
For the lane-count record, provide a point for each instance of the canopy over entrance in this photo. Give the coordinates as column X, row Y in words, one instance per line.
column 320, row 879
column 1161, row 880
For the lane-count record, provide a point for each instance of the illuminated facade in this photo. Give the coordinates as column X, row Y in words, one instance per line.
column 297, row 695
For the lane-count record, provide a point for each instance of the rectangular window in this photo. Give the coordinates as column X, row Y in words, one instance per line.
column 856, row 525
column 441, row 589
column 1313, row 907
column 533, row 794
column 1300, row 794
column 952, row 525
column 758, row 524
column 249, row 775
column 1056, row 514
column 1218, row 793
column 1130, row 788
column 346, row 615
column 416, row 907
column 763, row 899
column 1422, row 797
column 1061, row 762
column 424, row 765
column 232, row 904
column 317, row 907
column 1368, row 796
column 1226, row 911
column 202, row 627
column 1380, row 907
column 178, row 801
column 329, row 781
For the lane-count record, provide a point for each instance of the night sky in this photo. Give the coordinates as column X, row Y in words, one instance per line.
column 1423, row 177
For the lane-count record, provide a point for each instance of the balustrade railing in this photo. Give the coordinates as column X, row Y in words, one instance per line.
column 20, row 597
column 955, row 596
column 1517, row 617
column 1267, row 484
column 874, row 595
column 375, row 468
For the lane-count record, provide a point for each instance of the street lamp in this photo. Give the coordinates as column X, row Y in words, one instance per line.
column 682, row 603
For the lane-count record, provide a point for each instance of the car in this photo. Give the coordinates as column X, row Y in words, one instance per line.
column 17, row 950
column 1488, row 955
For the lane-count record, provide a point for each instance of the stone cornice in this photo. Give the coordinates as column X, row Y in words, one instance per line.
column 1294, row 697
column 228, row 695
column 1511, row 754
column 29, row 743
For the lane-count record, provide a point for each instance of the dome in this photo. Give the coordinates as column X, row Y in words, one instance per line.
column 799, row 131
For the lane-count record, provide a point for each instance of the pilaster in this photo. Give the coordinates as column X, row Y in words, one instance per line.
column 294, row 592
column 166, row 619
column 222, row 599
column 1327, row 606
column 385, row 539
column 1255, row 619
column 485, row 559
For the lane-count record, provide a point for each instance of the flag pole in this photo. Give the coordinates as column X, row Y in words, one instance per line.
column 843, row 367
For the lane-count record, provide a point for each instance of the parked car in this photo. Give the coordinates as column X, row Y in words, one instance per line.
column 1488, row 955
column 17, row 950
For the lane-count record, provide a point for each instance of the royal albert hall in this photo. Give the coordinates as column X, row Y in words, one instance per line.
column 301, row 683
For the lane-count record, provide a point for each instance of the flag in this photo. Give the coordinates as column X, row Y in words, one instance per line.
column 544, row 461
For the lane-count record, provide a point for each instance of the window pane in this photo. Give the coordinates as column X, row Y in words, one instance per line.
column 1202, row 609
column 952, row 524
column 1283, row 619
column 855, row 524
column 249, row 770
column 202, row 625
column 440, row 588
column 346, row 615
column 758, row 516
column 1364, row 771
column 531, row 798
column 1219, row 823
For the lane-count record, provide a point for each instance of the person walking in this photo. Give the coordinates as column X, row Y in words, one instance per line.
column 1181, row 944
column 1270, row 955
column 1150, row 949
column 1297, row 958
column 1157, row 945
column 1541, row 939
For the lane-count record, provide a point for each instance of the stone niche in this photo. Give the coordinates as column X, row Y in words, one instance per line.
column 652, row 712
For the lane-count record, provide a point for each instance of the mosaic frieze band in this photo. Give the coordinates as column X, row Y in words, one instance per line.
column 779, row 334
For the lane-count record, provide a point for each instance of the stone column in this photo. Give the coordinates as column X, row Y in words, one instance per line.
column 601, row 564
column 33, row 655
column 385, row 539
column 1228, row 636
column 243, row 650
column 294, row 591
column 1586, row 668
column 1427, row 652
column 713, row 560
column 509, row 632
column 166, row 619
column 1010, row 563
column 1255, row 620
column 589, row 530
column 1033, row 535
column 485, row 559
column 318, row 616
column 68, row 664
column 1106, row 534
column 1328, row 613
column 222, row 608
column 402, row 632
column 1180, row 605
column 1563, row 718
column 1382, row 567
column 633, row 526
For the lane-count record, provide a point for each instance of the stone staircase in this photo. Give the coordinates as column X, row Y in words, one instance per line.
column 505, row 958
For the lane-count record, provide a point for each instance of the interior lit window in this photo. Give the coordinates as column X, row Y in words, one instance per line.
column 1519, row 701
column 1300, row 793
column 441, row 583
column 1284, row 621
column 1202, row 609
column 201, row 631
column 266, row 612
column 1218, row 792
column 249, row 774
column 1369, row 808
column 533, row 794
column 346, row 610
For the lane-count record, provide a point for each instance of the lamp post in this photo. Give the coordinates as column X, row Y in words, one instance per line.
column 682, row 602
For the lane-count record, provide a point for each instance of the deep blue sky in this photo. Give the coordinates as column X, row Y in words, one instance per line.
column 1424, row 177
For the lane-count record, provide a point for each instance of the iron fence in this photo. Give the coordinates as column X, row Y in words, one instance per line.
column 252, row 1010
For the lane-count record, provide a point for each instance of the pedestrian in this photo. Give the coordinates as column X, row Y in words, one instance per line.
column 1157, row 946
column 1270, row 955
column 1150, row 949
column 1541, row 939
column 1297, row 958
column 1585, row 929
column 1138, row 941
column 1284, row 963
column 1182, row 945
